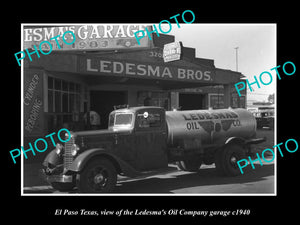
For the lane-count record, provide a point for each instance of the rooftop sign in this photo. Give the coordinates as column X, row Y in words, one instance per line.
column 88, row 37
column 172, row 51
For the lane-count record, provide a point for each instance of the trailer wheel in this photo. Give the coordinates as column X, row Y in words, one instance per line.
column 191, row 165
column 226, row 159
column 98, row 176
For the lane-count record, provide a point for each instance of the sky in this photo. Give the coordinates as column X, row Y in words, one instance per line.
column 256, row 49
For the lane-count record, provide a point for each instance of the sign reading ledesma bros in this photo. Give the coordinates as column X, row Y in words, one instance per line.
column 111, row 67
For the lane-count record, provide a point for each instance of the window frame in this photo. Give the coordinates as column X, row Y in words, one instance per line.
column 123, row 125
column 65, row 94
column 138, row 128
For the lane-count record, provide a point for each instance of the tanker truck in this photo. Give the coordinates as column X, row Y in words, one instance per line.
column 143, row 140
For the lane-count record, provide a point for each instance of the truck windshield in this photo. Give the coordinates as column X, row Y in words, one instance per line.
column 123, row 119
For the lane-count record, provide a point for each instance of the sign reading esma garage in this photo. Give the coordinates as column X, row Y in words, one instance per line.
column 88, row 37
column 144, row 70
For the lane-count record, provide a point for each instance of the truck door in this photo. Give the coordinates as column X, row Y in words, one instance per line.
column 151, row 139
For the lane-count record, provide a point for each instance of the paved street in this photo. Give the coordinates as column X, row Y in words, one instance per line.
column 206, row 181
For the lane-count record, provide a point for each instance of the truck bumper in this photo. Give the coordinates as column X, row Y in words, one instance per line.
column 61, row 178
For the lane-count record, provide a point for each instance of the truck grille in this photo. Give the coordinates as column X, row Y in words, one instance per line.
column 68, row 158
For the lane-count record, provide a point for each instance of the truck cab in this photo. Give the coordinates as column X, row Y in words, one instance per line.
column 135, row 141
column 146, row 140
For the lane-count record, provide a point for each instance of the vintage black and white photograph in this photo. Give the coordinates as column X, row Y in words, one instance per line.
column 148, row 109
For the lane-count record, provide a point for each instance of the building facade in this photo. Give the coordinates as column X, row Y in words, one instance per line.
column 59, row 88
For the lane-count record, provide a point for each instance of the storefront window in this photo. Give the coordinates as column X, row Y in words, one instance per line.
column 57, row 101
column 50, row 83
column 63, row 102
column 50, row 101
column 242, row 102
column 216, row 101
column 57, row 84
column 238, row 102
column 154, row 98
column 72, row 101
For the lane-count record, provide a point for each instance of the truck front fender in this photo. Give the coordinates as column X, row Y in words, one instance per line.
column 121, row 166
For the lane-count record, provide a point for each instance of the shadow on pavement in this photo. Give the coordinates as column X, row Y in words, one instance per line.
column 205, row 177
column 168, row 182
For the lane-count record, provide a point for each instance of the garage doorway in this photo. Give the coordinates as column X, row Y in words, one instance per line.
column 190, row 101
column 103, row 103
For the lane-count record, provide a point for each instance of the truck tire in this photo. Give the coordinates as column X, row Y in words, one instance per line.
column 226, row 159
column 98, row 176
column 191, row 165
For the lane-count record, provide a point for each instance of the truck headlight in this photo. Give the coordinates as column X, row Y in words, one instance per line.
column 58, row 148
column 67, row 135
column 75, row 148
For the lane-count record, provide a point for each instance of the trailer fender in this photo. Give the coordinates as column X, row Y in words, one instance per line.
column 122, row 167
column 235, row 140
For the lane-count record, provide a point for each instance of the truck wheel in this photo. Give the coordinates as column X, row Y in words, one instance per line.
column 98, row 176
column 63, row 186
column 191, row 165
column 227, row 158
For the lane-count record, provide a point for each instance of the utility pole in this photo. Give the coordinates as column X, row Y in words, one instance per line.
column 236, row 57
